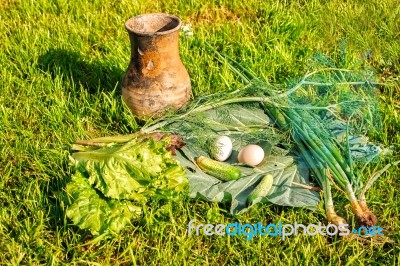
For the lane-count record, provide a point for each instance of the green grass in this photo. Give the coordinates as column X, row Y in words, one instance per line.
column 61, row 63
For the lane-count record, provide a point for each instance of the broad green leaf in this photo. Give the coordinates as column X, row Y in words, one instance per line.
column 283, row 192
column 244, row 125
column 88, row 209
column 106, row 179
column 237, row 117
column 136, row 170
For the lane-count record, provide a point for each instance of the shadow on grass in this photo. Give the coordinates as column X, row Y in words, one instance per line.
column 72, row 67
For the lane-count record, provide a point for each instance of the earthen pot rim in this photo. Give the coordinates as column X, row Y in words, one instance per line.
column 174, row 21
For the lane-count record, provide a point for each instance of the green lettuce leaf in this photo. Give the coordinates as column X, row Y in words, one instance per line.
column 108, row 180
column 136, row 170
column 88, row 209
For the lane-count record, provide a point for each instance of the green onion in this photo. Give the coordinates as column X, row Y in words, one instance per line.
column 316, row 146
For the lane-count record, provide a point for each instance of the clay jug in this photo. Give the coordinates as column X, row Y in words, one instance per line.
column 156, row 79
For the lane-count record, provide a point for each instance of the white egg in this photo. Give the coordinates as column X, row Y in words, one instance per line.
column 222, row 148
column 251, row 154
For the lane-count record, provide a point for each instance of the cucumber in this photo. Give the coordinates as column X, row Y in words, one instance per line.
column 262, row 189
column 220, row 170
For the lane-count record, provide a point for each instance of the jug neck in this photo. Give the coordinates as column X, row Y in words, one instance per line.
column 154, row 34
column 163, row 45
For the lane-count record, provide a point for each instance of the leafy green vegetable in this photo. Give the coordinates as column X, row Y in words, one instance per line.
column 136, row 170
column 89, row 209
column 108, row 180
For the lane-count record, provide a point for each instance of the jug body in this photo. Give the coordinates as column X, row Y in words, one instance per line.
column 156, row 79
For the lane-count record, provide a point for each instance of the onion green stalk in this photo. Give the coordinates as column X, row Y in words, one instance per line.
column 323, row 180
column 322, row 151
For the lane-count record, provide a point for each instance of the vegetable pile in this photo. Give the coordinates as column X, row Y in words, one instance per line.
column 310, row 129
